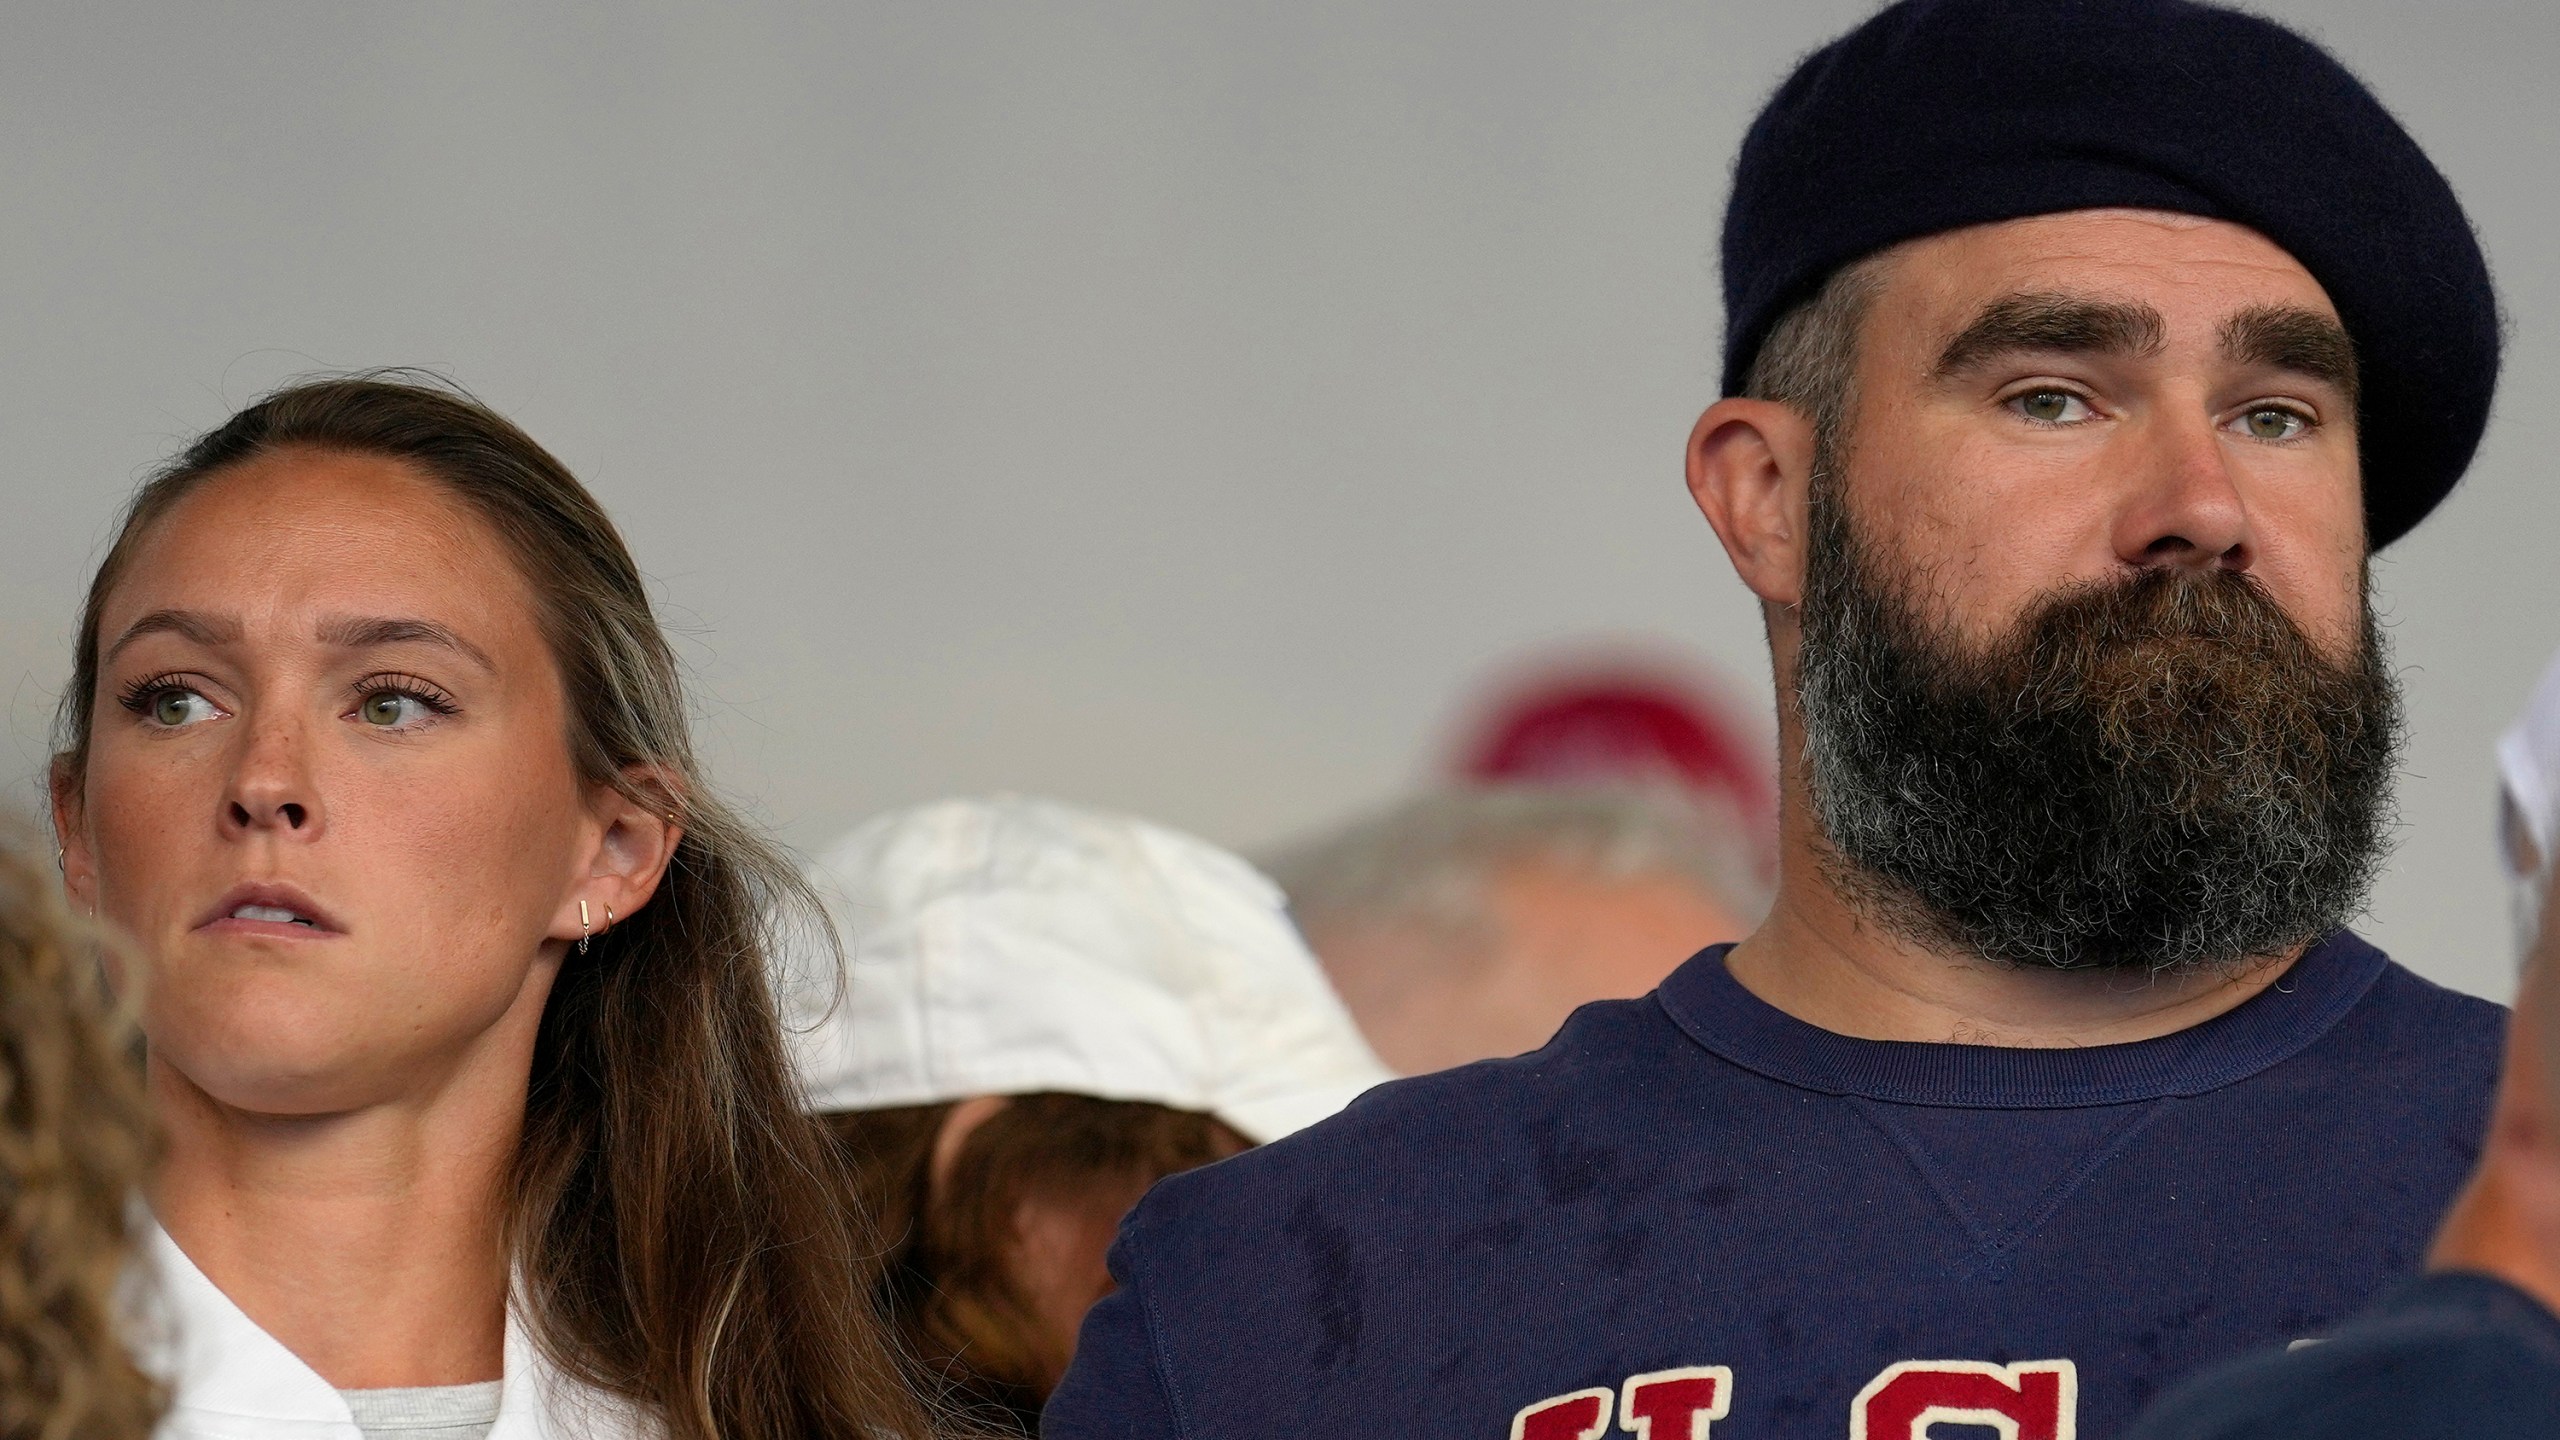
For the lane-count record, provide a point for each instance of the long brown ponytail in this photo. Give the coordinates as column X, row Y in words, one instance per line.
column 677, row 1226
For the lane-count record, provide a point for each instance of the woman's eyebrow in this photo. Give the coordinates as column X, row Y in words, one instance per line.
column 193, row 625
column 361, row 632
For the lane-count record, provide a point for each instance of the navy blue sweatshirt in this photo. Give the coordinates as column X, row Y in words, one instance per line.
column 2450, row 1357
column 1692, row 1212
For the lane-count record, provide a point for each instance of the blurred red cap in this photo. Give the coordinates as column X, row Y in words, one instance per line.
column 1585, row 723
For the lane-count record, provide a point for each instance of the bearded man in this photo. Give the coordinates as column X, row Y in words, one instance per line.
column 2078, row 353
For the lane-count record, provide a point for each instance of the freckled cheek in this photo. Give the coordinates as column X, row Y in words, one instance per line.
column 480, row 861
column 153, row 820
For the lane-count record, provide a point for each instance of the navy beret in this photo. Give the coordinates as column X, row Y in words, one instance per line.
column 1939, row 114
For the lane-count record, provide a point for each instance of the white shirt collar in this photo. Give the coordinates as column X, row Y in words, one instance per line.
column 229, row 1379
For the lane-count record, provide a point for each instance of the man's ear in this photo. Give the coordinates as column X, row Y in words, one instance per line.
column 71, row 832
column 635, row 842
column 1750, row 467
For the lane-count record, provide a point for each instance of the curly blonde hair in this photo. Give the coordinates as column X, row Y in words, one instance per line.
column 74, row 1142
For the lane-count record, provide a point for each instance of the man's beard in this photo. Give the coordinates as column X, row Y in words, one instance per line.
column 2160, row 773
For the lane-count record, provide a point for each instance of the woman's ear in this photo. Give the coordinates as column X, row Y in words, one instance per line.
column 1750, row 470
column 634, row 842
column 71, row 832
column 958, row 1124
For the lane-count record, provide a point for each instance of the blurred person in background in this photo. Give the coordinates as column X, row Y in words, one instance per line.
column 2069, row 387
column 1468, row 923
column 74, row 1144
column 2528, row 801
column 477, row 1118
column 1044, row 1011
column 2471, row 1351
column 1605, row 818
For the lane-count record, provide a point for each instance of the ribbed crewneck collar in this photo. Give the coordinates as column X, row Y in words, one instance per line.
column 2277, row 1023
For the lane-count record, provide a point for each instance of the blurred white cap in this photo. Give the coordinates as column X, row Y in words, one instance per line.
column 1009, row 946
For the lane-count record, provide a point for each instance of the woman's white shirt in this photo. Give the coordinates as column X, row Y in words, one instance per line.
column 230, row 1380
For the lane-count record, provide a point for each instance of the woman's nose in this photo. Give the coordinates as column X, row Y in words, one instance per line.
column 272, row 787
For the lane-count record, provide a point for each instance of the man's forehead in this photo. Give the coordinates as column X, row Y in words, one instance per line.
column 2193, row 271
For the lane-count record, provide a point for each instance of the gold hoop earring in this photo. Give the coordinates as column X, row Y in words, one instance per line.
column 608, row 919
column 582, row 927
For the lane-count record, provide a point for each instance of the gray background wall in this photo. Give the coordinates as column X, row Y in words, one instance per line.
column 1170, row 406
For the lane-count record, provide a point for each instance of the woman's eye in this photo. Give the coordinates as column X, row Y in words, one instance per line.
column 391, row 702
column 2051, row 407
column 2272, row 424
column 389, row 708
column 173, row 707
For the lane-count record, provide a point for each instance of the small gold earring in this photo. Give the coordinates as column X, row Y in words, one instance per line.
column 608, row 919
column 582, row 927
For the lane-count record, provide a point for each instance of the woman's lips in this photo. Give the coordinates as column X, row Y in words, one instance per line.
column 268, row 910
column 269, row 929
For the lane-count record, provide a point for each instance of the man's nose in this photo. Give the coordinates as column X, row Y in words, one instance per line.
column 272, row 789
column 2185, row 508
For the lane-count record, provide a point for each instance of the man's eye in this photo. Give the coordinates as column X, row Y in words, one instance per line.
column 2051, row 407
column 174, row 707
column 2273, row 424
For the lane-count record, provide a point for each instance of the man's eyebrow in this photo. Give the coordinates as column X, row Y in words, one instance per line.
column 359, row 632
column 189, row 624
column 2290, row 338
column 2070, row 324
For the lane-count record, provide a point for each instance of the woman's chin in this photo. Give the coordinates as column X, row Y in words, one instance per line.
column 286, row 1076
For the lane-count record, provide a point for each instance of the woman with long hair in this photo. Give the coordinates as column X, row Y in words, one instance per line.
column 1044, row 1010
column 73, row 1143
column 477, row 1119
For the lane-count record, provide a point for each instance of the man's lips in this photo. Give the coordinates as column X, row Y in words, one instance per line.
column 269, row 909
